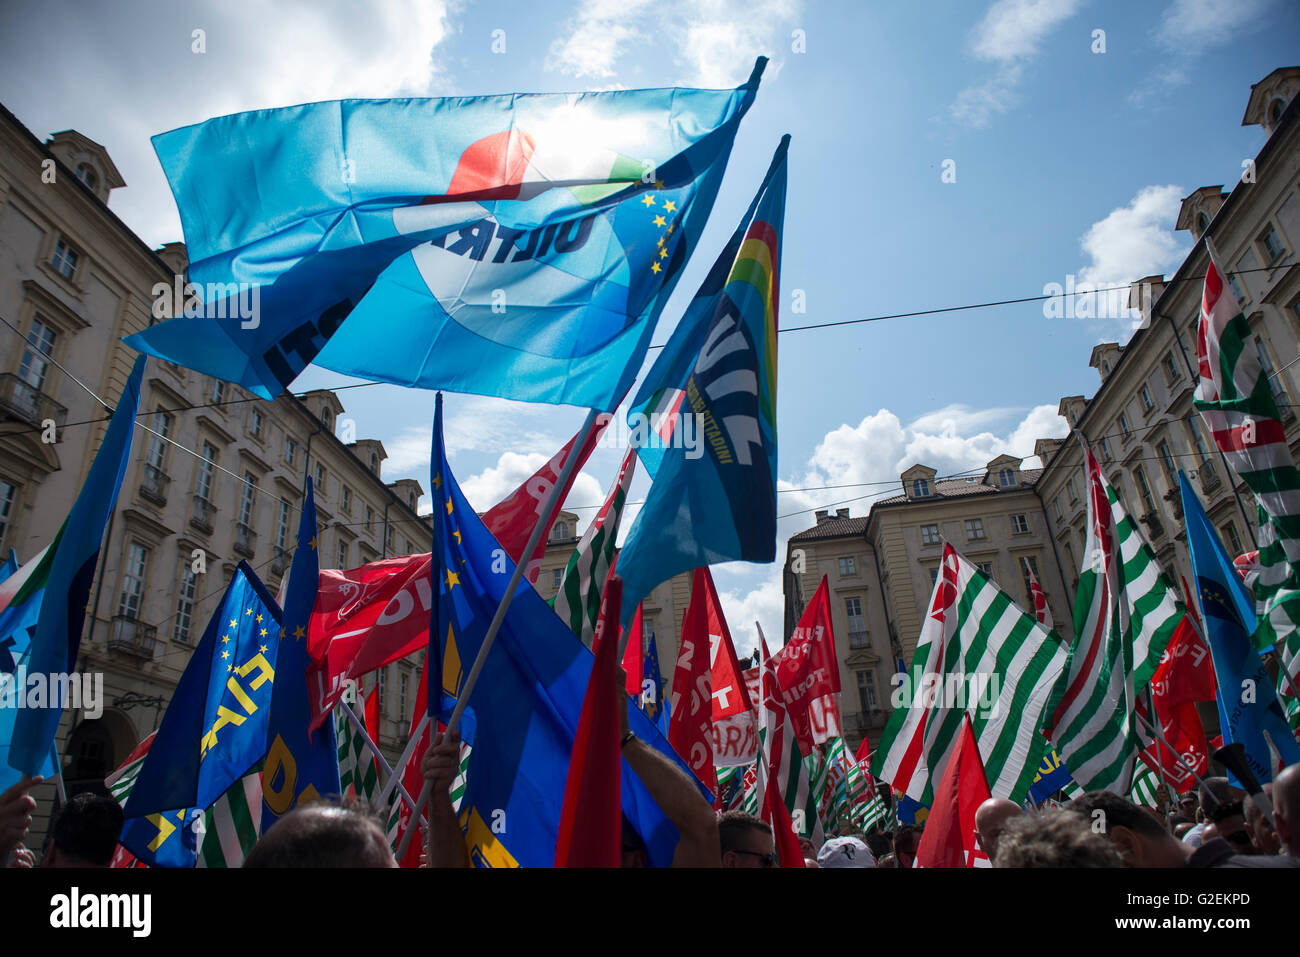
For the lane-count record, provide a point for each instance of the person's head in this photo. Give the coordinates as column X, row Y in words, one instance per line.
column 905, row 842
column 633, row 850
column 1261, row 832
column 1286, row 809
column 1054, row 839
column 1138, row 837
column 746, row 841
column 808, row 847
column 845, row 852
column 1180, row 830
column 85, row 833
column 1223, row 805
column 879, row 843
column 323, row 835
column 990, row 818
column 1187, row 805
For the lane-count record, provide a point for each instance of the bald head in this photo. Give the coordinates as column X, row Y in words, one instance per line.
column 322, row 835
column 1286, row 808
column 991, row 817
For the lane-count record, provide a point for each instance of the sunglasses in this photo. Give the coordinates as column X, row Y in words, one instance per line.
column 768, row 858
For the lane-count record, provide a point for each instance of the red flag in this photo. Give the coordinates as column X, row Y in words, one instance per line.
column 949, row 836
column 730, row 696
column 363, row 619
column 512, row 520
column 1185, row 675
column 592, row 791
column 372, row 724
column 633, row 657
column 412, row 778
column 788, row 851
column 690, row 727
column 806, row 668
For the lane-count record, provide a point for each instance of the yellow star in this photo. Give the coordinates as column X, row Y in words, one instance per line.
column 663, row 254
column 312, row 543
column 670, row 231
column 661, row 241
column 448, row 506
column 437, row 481
column 669, row 206
column 299, row 632
column 452, row 579
column 225, row 654
column 456, row 532
column 258, row 619
column 233, row 623
column 230, row 667
column 225, row 639
column 263, row 648
column 248, row 612
column 281, row 632
column 648, row 200
column 654, row 267
column 262, row 632
column 660, row 221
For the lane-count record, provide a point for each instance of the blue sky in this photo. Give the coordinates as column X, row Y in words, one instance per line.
column 1067, row 162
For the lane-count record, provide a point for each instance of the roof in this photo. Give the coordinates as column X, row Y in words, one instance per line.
column 833, row 528
column 961, row 488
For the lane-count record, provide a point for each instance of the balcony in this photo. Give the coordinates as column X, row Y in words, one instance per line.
column 203, row 515
column 859, row 639
column 1155, row 526
column 153, row 485
column 245, row 540
column 28, row 404
column 1208, row 475
column 133, row 637
column 281, row 561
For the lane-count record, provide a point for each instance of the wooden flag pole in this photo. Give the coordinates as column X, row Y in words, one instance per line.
column 552, row 499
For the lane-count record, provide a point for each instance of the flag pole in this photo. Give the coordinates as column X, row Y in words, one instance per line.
column 407, row 753
column 462, row 699
column 1181, row 760
column 360, row 729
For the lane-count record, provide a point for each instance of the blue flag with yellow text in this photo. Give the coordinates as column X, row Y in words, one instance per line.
column 1248, row 705
column 715, row 500
column 522, row 715
column 214, row 729
column 301, row 767
column 520, row 245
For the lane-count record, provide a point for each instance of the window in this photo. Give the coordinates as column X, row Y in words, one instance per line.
column 986, row 569
column 858, row 637
column 1144, row 489
column 162, row 426
column 344, row 557
column 133, row 577
column 1056, row 508
column 1230, row 537
column 1073, row 488
column 290, row 448
column 1145, row 395
column 218, row 393
column 1238, row 290
column 207, row 468
column 1272, row 244
column 934, row 576
column 1019, row 524
column 87, row 175
column 388, row 539
column 1006, row 478
column 1167, row 460
column 1203, row 220
column 1274, row 382
column 327, row 418
column 848, row 566
column 561, row 531
column 282, row 525
column 36, row 355
column 381, row 687
column 347, row 500
column 1122, row 425
column 867, row 691
column 374, row 462
column 247, row 500
column 370, row 517
column 974, row 528
column 929, row 534
column 401, row 693
column 920, row 488
column 1028, row 564
column 557, row 575
column 65, row 258
column 7, row 494
column 1202, row 452
column 1104, row 446
column 255, row 423
column 320, row 479
column 185, row 602
column 1170, row 367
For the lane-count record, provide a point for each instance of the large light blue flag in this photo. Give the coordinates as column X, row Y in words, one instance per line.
column 715, row 500
column 522, row 714
column 58, row 632
column 517, row 245
column 21, row 593
column 301, row 767
column 1248, row 705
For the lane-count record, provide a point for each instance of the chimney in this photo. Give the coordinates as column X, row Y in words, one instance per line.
column 820, row 515
column 842, row 513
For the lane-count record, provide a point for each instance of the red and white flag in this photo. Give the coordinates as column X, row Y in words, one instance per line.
column 806, row 669
column 1041, row 611
column 949, row 836
column 690, row 725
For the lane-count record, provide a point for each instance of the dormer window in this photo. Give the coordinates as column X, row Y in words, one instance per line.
column 1105, row 367
column 1202, row 221
column 327, row 417
column 1275, row 111
column 920, row 488
column 561, row 531
column 1006, row 478
column 86, row 173
column 374, row 462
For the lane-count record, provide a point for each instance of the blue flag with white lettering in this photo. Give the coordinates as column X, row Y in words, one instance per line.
column 715, row 500
column 301, row 767
column 522, row 715
column 214, row 729
column 54, row 647
column 23, row 593
column 1248, row 705
column 519, row 245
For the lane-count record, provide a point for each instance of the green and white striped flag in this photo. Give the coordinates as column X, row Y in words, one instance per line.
column 394, row 819
column 1235, row 398
column 1125, row 612
column 1146, row 786
column 577, row 601
column 780, row 764
column 356, row 762
column 979, row 654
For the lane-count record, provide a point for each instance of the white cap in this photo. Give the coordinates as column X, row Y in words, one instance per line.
column 845, row 852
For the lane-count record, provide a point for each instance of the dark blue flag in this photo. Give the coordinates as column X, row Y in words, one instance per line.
column 1248, row 705
column 301, row 767
column 522, row 715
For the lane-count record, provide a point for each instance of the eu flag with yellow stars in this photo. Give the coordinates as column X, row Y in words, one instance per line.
column 523, row 712
column 1248, row 706
column 301, row 767
column 214, row 730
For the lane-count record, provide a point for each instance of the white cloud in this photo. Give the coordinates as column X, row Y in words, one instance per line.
column 1011, row 33
column 764, row 604
column 596, row 38
column 485, row 489
column 1192, row 26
